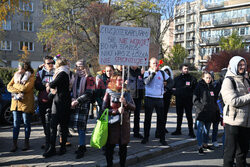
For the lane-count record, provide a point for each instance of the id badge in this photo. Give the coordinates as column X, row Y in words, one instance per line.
column 212, row 93
column 187, row 83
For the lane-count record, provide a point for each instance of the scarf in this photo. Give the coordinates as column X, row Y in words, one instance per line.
column 82, row 85
column 61, row 69
column 21, row 78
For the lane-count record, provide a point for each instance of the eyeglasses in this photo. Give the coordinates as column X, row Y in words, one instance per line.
column 50, row 63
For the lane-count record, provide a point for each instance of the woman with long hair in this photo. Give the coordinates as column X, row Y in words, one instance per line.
column 22, row 104
column 118, row 133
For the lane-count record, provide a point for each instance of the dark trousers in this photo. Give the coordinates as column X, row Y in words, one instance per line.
column 166, row 99
column 137, row 115
column 236, row 145
column 45, row 116
column 110, row 152
column 181, row 105
column 150, row 105
column 63, row 122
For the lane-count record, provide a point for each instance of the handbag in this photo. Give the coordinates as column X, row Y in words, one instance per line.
column 100, row 133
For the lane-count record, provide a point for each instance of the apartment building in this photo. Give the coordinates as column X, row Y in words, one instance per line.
column 185, row 25
column 168, row 39
column 200, row 24
column 20, row 30
column 221, row 18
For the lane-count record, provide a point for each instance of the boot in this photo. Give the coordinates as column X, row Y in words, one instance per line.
column 26, row 145
column 50, row 152
column 80, row 152
column 14, row 147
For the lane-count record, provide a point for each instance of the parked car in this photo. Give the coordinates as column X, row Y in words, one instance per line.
column 5, row 113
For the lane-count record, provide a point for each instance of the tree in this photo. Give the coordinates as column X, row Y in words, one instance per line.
column 176, row 57
column 221, row 60
column 233, row 42
column 72, row 27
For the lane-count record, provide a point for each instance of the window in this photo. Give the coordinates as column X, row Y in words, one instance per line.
column 28, row 45
column 242, row 31
column 227, row 32
column 6, row 25
column 27, row 26
column 5, row 45
column 26, row 6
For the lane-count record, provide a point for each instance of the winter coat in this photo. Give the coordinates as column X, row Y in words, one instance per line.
column 62, row 100
column 204, row 100
column 27, row 103
column 185, row 85
column 118, row 134
column 236, row 111
column 135, row 83
column 101, row 86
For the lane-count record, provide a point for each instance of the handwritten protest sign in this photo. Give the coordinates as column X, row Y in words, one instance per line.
column 124, row 45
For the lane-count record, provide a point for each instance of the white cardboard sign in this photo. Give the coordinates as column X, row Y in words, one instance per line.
column 124, row 45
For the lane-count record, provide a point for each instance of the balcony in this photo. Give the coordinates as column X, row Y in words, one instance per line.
column 179, row 39
column 189, row 38
column 221, row 22
column 179, row 31
column 214, row 5
column 210, row 41
column 190, row 29
column 190, row 20
column 190, row 47
column 248, row 18
column 192, row 11
column 179, row 22
column 178, row 14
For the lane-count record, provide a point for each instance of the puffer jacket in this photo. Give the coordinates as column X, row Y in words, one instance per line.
column 236, row 111
column 27, row 103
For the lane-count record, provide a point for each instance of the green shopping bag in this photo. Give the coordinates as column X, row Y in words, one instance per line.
column 100, row 133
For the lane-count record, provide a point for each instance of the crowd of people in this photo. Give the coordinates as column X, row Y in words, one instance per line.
column 65, row 97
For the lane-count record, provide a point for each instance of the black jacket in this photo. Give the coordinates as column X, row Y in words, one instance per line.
column 135, row 83
column 185, row 85
column 204, row 100
column 62, row 99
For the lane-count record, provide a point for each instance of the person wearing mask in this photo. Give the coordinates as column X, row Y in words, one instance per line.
column 59, row 90
column 22, row 108
column 43, row 77
column 166, row 97
column 102, row 81
column 83, row 91
column 154, row 80
column 235, row 92
column 183, row 88
column 136, row 87
column 206, row 107
column 118, row 133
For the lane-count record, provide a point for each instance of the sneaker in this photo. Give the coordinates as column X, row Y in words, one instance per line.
column 144, row 141
column 176, row 133
column 216, row 144
column 200, row 151
column 208, row 148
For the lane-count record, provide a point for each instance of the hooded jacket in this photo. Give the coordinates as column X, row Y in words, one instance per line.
column 236, row 111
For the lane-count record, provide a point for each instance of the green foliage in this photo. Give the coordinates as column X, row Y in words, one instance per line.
column 233, row 42
column 6, row 74
column 177, row 56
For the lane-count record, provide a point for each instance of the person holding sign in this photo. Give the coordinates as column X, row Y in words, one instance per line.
column 183, row 88
column 117, row 133
column 154, row 89
column 205, row 102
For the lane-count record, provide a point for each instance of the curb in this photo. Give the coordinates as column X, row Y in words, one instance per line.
column 151, row 153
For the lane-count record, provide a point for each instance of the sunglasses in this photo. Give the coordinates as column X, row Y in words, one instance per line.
column 50, row 63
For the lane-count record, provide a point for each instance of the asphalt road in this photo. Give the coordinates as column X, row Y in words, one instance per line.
column 188, row 157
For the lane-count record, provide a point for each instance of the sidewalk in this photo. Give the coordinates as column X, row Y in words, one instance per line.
column 93, row 157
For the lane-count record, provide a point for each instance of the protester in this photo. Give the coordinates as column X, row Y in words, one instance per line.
column 83, row 91
column 59, row 89
column 136, row 88
column 183, row 88
column 206, row 107
column 43, row 77
column 102, row 81
column 117, row 133
column 236, row 114
column 154, row 89
column 166, row 97
column 24, row 107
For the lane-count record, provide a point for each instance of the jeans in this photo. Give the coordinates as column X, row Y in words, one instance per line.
column 82, row 136
column 17, row 115
column 203, row 132
column 215, row 131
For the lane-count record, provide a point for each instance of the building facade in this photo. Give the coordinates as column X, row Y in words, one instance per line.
column 200, row 24
column 21, row 30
